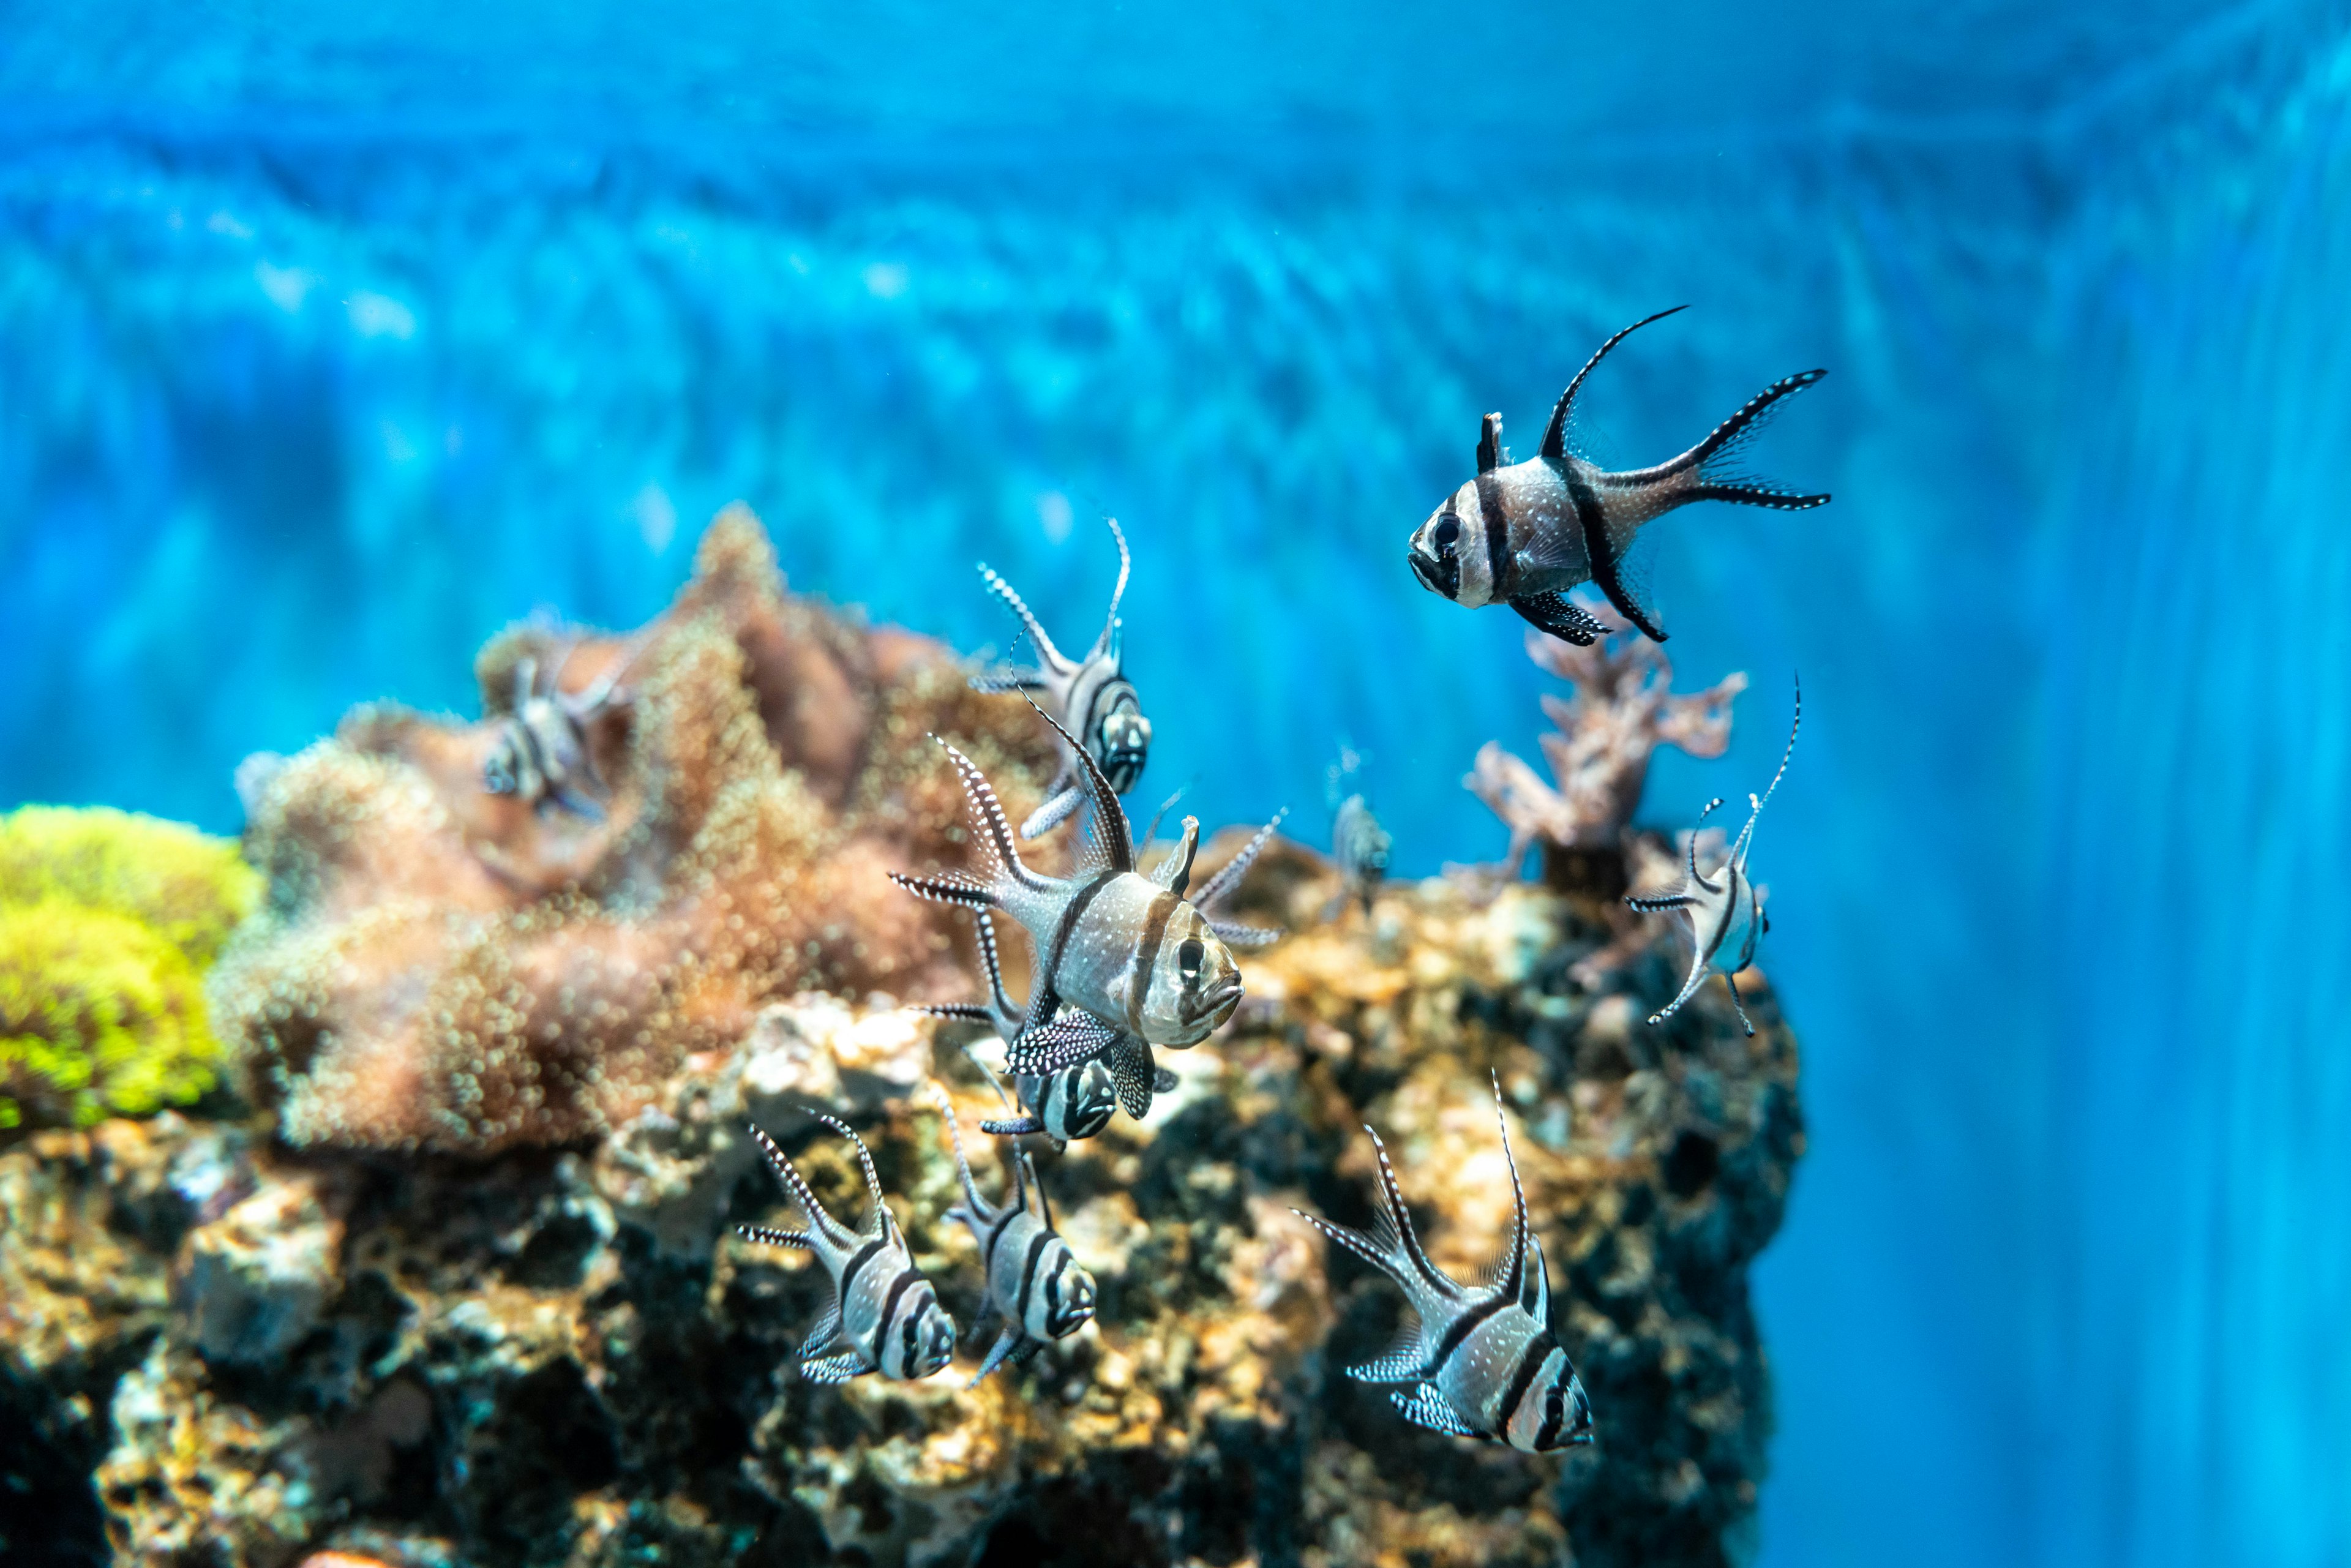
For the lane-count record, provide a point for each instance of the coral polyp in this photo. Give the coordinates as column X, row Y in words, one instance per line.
column 442, row 966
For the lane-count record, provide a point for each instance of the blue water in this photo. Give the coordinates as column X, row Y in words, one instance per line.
column 328, row 345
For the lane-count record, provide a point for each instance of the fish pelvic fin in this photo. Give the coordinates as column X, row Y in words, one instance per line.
column 1554, row 614
column 1554, row 441
column 1048, row 656
column 1228, row 876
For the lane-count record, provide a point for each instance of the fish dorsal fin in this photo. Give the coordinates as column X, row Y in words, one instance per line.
column 980, row 1211
column 1111, row 827
column 1510, row 1276
column 1691, row 850
column 1756, row 802
column 1109, row 646
column 1024, row 1173
column 1491, row 453
column 1393, row 1233
column 526, row 682
column 1143, row 839
column 1554, row 441
column 1175, row 872
column 866, row 1162
column 1228, row 875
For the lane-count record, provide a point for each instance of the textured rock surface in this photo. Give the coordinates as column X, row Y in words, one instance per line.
column 562, row 1354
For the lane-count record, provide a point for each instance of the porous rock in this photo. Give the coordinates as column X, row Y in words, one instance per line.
column 564, row 1356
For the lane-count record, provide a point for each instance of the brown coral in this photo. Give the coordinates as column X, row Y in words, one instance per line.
column 439, row 967
column 1623, row 710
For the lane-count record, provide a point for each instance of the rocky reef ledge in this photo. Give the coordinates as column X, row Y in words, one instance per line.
column 458, row 1284
column 565, row 1355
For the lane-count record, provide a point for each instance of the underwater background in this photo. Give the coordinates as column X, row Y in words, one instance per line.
column 331, row 343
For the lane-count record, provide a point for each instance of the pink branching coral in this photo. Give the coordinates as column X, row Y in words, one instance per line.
column 1623, row 708
column 442, row 967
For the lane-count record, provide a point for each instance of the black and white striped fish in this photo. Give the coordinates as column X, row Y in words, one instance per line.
column 882, row 1306
column 1091, row 697
column 1129, row 953
column 1358, row 843
column 1723, row 916
column 1075, row 1103
column 1034, row 1280
column 1523, row 534
column 1482, row 1358
column 541, row 754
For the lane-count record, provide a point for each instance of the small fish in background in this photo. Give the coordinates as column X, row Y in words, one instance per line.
column 1523, row 534
column 1482, row 1358
column 1034, row 1280
column 1091, row 697
column 541, row 755
column 1723, row 917
column 1074, row 1104
column 1129, row 953
column 882, row 1305
column 1358, row 843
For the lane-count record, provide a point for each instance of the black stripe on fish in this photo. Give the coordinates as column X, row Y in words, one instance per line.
column 1460, row 1329
column 1530, row 1362
column 907, row 1342
column 1497, row 535
column 864, row 1256
column 1028, row 1273
column 898, row 1287
column 1051, row 968
column 1608, row 570
column 1554, row 1417
column 995, row 1235
column 1147, row 958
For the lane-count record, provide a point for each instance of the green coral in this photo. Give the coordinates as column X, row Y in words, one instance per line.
column 108, row 921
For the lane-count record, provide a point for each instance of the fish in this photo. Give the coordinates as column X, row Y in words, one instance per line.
column 1129, row 952
column 1723, row 918
column 1091, row 696
column 1034, row 1280
column 1074, row 1104
column 883, row 1307
column 1482, row 1359
column 1523, row 534
column 540, row 753
column 1358, row 843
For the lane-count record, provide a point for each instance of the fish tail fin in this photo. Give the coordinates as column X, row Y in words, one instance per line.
column 1713, row 462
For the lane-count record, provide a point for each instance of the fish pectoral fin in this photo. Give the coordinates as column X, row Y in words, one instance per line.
column 1076, row 1037
column 1003, row 1347
column 1163, row 1081
column 1425, row 1407
column 1554, row 614
column 1053, row 812
column 838, row 1368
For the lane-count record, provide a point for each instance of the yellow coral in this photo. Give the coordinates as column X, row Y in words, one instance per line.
column 107, row 922
column 188, row 887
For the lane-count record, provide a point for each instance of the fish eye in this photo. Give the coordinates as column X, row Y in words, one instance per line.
column 1449, row 532
column 1188, row 956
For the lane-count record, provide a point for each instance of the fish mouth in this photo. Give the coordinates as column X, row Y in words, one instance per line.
column 1217, row 1005
column 1423, row 568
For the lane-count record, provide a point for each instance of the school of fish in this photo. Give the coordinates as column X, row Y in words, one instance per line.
column 1124, row 961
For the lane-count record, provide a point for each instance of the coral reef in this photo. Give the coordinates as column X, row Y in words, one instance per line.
column 565, row 1357
column 1622, row 710
column 442, row 967
column 107, row 920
